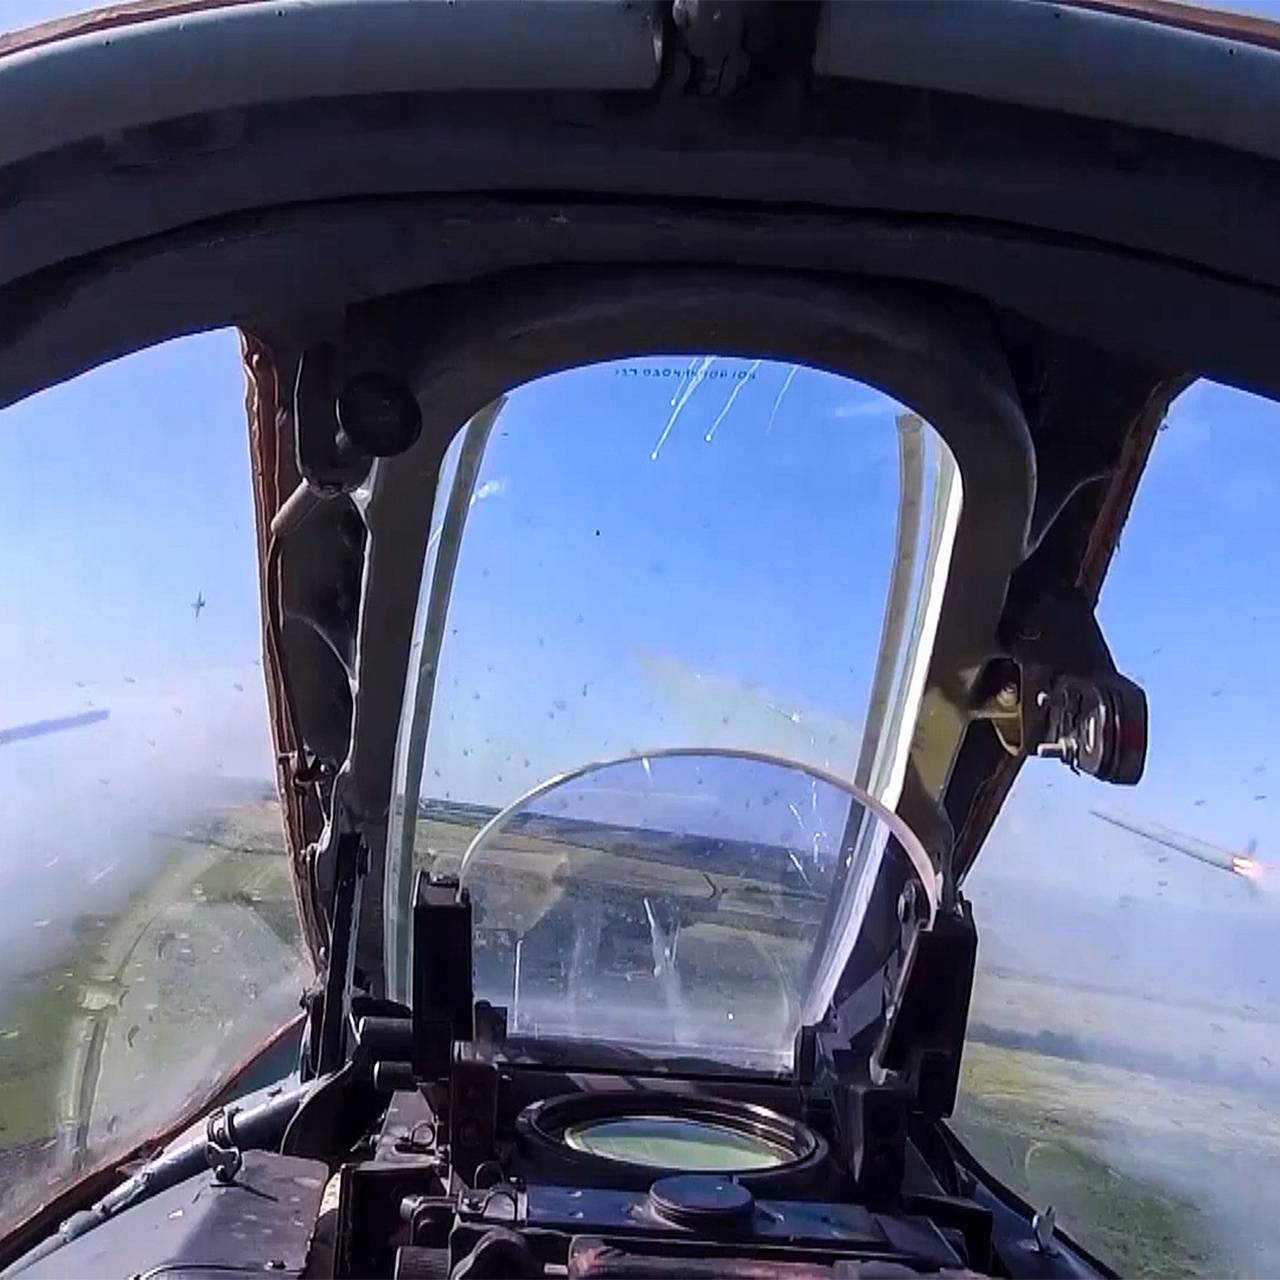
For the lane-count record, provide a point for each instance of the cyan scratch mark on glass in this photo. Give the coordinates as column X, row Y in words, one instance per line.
column 733, row 395
column 777, row 404
column 707, row 362
column 675, row 395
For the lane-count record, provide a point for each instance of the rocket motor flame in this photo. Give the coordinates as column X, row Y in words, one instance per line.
column 1243, row 865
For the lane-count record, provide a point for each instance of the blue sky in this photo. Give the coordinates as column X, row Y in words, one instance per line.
column 107, row 460
column 756, row 561
column 129, row 495
column 682, row 581
column 1190, row 610
column 726, row 591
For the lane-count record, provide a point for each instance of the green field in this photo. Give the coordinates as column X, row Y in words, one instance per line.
column 1159, row 1173
column 143, row 1009
column 1157, row 1177
column 1053, row 1154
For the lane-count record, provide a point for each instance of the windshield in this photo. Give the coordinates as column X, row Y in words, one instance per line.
column 682, row 903
column 149, row 941
column 664, row 552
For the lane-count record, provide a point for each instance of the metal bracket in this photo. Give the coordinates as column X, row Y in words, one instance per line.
column 351, row 863
column 1061, row 697
column 220, row 1148
column 443, row 997
column 1098, row 727
column 928, row 1009
column 1044, row 1227
column 343, row 423
column 872, row 1120
column 712, row 33
column 328, row 459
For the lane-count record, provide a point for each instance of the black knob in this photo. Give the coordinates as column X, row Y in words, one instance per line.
column 379, row 414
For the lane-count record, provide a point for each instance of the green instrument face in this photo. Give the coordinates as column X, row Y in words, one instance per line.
column 668, row 1142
